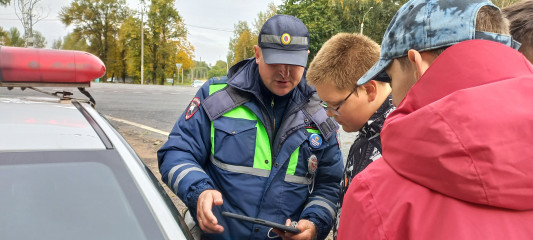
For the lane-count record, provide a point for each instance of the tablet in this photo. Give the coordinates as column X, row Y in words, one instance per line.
column 262, row 222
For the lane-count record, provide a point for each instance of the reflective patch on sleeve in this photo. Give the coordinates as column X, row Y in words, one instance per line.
column 192, row 108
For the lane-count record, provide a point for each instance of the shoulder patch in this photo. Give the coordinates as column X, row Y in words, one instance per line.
column 192, row 108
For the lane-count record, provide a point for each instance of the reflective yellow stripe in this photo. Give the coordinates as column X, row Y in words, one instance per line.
column 213, row 88
column 313, row 130
column 293, row 162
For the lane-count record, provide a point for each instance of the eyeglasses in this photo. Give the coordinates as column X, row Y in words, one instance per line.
column 335, row 110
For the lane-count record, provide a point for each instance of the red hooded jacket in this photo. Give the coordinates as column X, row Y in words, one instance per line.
column 457, row 154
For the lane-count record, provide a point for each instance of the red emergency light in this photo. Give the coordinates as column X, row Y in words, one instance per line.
column 30, row 67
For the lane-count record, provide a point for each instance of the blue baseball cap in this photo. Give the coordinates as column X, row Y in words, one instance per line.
column 425, row 25
column 284, row 39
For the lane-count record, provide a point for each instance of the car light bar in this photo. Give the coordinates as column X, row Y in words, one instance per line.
column 31, row 67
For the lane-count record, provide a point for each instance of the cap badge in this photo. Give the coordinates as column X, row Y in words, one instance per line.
column 315, row 140
column 286, row 39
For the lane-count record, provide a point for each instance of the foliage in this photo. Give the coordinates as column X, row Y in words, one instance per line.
column 242, row 43
column 200, row 70
column 13, row 38
column 167, row 34
column 39, row 40
column 73, row 41
column 319, row 16
column 325, row 18
column 98, row 22
column 220, row 69
column 112, row 31
column 129, row 47
column 3, row 36
column 57, row 44
column 262, row 17
column 4, row 2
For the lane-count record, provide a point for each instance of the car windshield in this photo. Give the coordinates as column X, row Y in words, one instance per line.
column 43, row 193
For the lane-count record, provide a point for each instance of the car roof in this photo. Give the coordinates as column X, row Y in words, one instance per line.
column 45, row 124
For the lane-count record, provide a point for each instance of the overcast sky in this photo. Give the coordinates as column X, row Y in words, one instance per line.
column 209, row 22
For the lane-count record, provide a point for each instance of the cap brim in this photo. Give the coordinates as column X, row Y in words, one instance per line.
column 374, row 71
column 276, row 56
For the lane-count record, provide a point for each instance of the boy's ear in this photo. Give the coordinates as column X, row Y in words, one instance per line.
column 416, row 60
column 421, row 61
column 371, row 90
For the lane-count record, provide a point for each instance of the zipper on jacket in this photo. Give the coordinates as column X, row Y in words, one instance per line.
column 273, row 114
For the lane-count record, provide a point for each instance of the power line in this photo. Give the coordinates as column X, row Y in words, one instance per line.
column 188, row 25
column 208, row 28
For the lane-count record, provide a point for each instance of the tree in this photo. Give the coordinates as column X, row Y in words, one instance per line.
column 13, row 38
column 320, row 17
column 98, row 22
column 325, row 18
column 57, row 44
column 185, row 56
column 166, row 33
column 73, row 41
column 238, row 29
column 4, row 2
column 218, row 70
column 3, row 36
column 29, row 15
column 129, row 47
column 242, row 43
column 39, row 40
column 263, row 16
column 199, row 70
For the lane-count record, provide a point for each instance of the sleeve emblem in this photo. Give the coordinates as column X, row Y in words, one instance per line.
column 192, row 108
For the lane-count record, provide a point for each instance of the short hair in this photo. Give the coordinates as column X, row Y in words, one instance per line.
column 342, row 60
column 520, row 16
column 488, row 19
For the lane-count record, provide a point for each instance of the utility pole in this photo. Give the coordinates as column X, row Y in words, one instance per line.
column 363, row 22
column 142, row 43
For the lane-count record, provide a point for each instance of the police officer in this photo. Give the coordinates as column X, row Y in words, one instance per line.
column 258, row 143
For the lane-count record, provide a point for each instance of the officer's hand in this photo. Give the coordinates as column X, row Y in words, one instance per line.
column 307, row 231
column 207, row 220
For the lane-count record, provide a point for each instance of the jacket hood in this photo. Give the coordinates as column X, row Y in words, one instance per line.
column 240, row 73
column 465, row 129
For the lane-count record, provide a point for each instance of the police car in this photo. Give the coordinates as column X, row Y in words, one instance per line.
column 65, row 172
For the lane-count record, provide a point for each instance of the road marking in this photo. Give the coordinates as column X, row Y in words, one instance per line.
column 138, row 125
